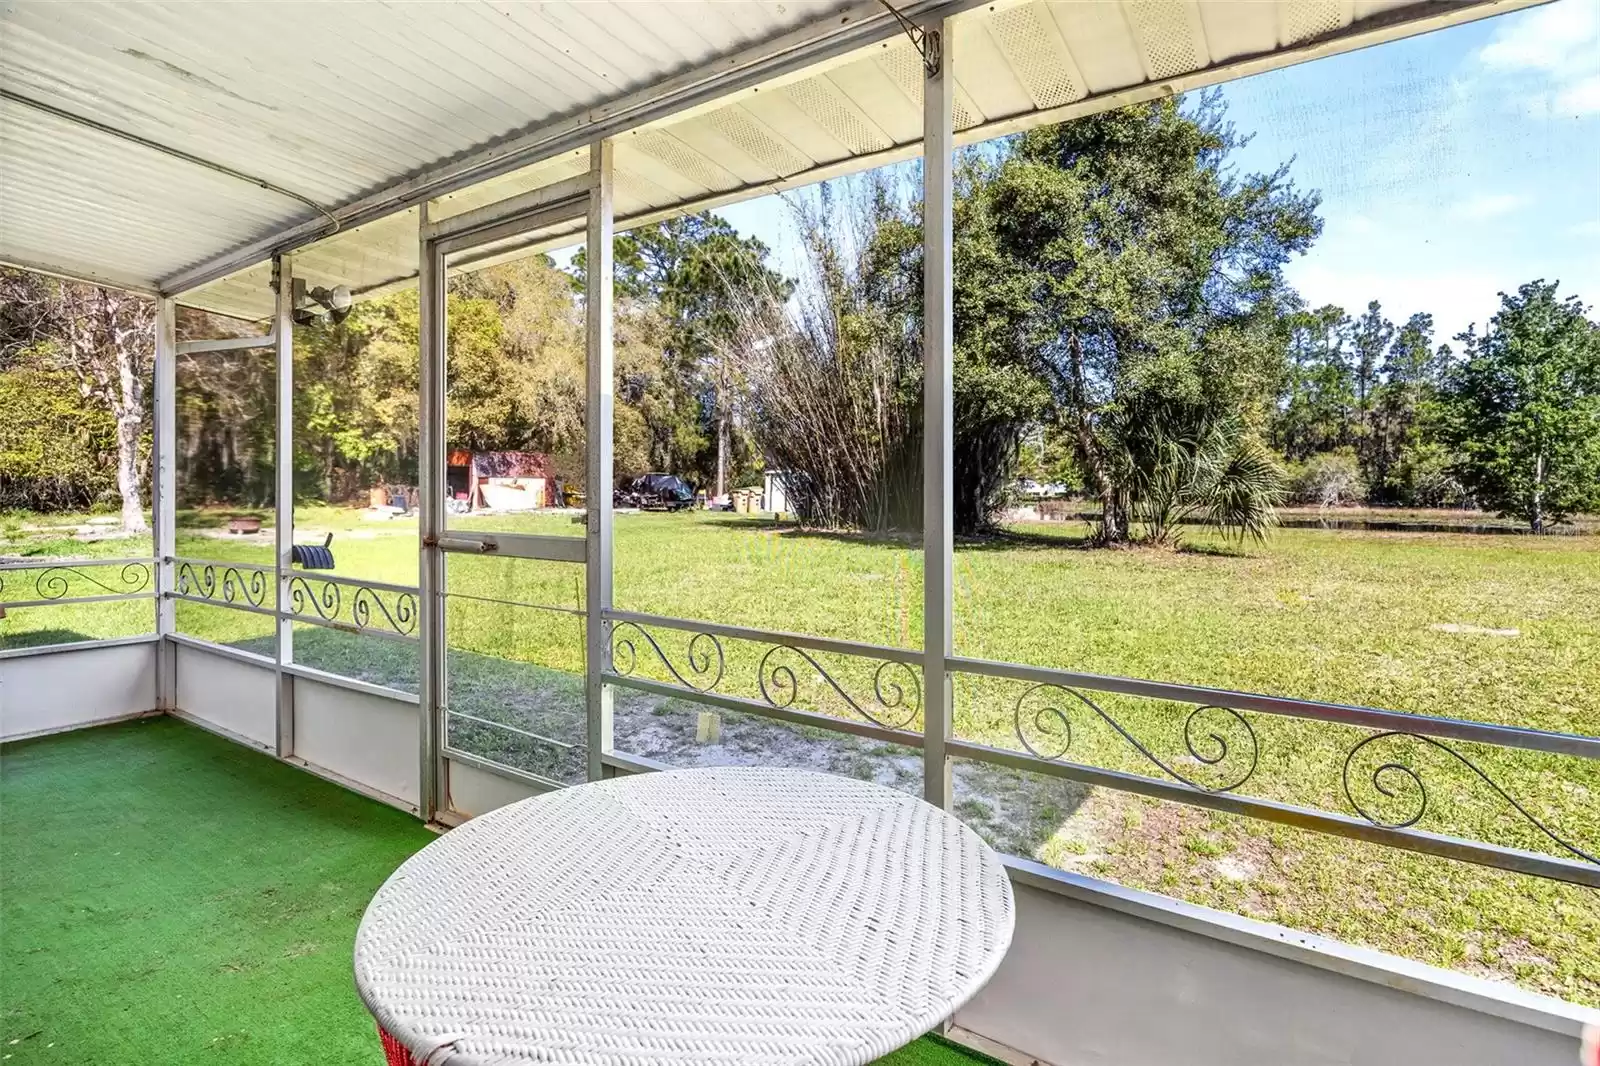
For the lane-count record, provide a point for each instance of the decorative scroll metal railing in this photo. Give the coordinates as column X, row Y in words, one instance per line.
column 1434, row 785
column 370, row 607
column 50, row 582
column 244, row 586
column 865, row 689
column 1496, row 795
column 353, row 606
column 45, row 583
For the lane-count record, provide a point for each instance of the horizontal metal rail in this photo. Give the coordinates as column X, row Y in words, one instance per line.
column 868, row 730
column 1446, row 728
column 231, row 605
column 557, row 609
column 349, row 627
column 558, row 202
column 53, row 578
column 225, row 651
column 179, row 560
column 28, row 651
column 499, row 769
column 351, row 582
column 541, row 738
column 763, row 636
column 17, row 605
column 550, row 547
column 303, row 672
column 893, row 702
column 631, row 764
column 226, row 344
column 318, row 599
column 1514, row 859
column 49, row 561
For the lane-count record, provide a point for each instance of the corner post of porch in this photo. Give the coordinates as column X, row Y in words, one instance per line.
column 163, row 499
column 598, row 448
column 283, row 494
column 938, row 91
column 433, row 790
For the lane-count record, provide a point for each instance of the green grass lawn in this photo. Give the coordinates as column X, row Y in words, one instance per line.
column 1499, row 628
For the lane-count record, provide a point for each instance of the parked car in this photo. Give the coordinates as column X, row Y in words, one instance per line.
column 654, row 492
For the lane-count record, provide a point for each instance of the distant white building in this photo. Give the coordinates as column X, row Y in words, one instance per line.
column 773, row 498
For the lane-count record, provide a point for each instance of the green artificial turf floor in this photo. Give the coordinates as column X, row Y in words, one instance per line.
column 169, row 897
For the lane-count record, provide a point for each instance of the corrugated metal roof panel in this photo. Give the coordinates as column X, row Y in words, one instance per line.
column 335, row 101
column 328, row 100
column 95, row 206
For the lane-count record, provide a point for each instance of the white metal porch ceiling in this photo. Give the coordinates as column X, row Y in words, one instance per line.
column 365, row 108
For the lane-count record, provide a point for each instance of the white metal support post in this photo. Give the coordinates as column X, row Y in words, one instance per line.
column 163, row 499
column 433, row 789
column 938, row 416
column 283, row 494
column 597, row 476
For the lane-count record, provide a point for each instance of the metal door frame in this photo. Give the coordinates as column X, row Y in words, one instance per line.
column 589, row 197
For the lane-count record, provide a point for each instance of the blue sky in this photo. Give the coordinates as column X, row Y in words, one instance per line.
column 1452, row 165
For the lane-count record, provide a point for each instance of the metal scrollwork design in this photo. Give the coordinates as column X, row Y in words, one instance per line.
column 1048, row 735
column 402, row 619
column 705, row 661
column 231, row 585
column 896, row 687
column 326, row 601
column 54, row 582
column 1394, row 780
column 325, row 604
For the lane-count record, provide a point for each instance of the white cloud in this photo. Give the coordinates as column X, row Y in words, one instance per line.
column 1582, row 97
column 1555, row 38
column 1482, row 208
column 1553, row 55
column 1591, row 228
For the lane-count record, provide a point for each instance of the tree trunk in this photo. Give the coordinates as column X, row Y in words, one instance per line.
column 1112, row 529
column 130, row 484
column 123, row 330
column 722, row 431
column 1537, row 517
column 722, row 453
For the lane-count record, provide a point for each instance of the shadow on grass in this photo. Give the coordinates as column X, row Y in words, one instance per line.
column 39, row 638
column 1007, row 540
column 896, row 539
column 1219, row 551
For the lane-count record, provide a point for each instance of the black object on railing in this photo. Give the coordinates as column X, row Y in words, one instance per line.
column 314, row 556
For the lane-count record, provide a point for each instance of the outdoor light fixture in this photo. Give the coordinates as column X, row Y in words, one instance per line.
column 312, row 304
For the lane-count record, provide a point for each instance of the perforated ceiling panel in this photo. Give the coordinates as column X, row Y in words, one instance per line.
column 1039, row 58
column 831, row 109
column 1169, row 41
column 1303, row 20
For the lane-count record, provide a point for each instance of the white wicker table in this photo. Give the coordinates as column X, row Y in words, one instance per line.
column 726, row 915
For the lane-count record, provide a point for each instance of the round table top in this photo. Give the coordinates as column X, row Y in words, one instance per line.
column 728, row 915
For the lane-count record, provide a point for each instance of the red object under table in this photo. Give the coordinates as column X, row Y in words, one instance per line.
column 394, row 1051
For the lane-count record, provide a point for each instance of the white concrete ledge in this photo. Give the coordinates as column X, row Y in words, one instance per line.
column 1480, row 994
column 76, row 645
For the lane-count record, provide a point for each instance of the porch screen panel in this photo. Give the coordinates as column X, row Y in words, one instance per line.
column 1162, row 682
column 356, row 478
column 515, row 373
column 778, row 618
column 225, row 486
column 514, row 629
